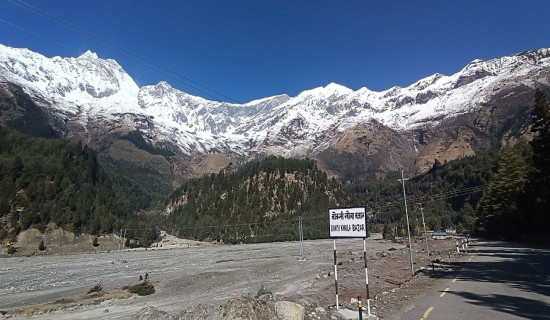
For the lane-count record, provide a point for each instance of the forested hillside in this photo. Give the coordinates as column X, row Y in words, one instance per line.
column 260, row 201
column 515, row 206
column 449, row 193
column 52, row 180
column 500, row 194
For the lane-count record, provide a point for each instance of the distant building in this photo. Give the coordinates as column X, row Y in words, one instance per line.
column 440, row 235
column 450, row 230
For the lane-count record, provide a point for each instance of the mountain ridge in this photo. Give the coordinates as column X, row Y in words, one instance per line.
column 98, row 101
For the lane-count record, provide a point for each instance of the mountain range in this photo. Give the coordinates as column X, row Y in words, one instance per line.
column 168, row 135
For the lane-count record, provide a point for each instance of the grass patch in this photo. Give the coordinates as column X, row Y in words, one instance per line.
column 144, row 288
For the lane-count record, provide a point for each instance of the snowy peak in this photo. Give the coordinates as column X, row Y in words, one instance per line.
column 86, row 86
column 89, row 55
column 86, row 69
column 90, row 88
column 332, row 89
column 428, row 81
column 535, row 54
column 517, row 63
column 280, row 97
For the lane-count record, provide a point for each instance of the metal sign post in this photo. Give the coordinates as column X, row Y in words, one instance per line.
column 349, row 223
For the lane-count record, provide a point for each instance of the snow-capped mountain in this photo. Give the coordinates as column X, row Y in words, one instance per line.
column 88, row 91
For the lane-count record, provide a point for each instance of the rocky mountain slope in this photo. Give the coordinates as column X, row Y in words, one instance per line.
column 439, row 117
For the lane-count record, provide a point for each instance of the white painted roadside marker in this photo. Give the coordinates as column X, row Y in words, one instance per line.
column 335, row 275
column 366, row 274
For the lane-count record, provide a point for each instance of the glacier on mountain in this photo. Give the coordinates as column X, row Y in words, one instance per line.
column 88, row 87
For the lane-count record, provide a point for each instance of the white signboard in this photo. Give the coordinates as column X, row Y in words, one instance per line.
column 348, row 223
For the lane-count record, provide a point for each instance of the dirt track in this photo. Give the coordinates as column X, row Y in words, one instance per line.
column 210, row 276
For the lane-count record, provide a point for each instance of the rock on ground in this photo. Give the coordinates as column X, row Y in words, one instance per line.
column 249, row 308
column 287, row 310
column 200, row 312
column 152, row 313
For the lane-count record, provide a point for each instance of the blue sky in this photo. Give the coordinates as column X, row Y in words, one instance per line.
column 249, row 49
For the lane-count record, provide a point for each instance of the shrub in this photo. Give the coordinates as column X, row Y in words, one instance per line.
column 3, row 234
column 11, row 250
column 97, row 288
column 144, row 288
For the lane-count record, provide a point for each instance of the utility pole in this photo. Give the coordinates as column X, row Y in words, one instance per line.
column 407, row 215
column 425, row 234
column 123, row 245
column 119, row 250
column 301, row 237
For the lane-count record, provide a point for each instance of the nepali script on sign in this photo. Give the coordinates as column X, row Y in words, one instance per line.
column 348, row 223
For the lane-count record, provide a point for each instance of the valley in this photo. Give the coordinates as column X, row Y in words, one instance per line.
column 184, row 278
column 177, row 160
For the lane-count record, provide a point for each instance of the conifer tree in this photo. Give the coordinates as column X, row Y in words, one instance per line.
column 42, row 246
column 498, row 213
column 539, row 190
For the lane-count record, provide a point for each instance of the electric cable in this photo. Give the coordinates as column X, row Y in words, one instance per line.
column 117, row 49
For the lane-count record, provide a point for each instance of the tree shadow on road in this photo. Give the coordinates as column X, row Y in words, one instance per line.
column 523, row 268
column 516, row 306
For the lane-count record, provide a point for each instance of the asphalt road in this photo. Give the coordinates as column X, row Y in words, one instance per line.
column 497, row 281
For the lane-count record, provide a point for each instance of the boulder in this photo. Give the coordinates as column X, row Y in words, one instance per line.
column 287, row 310
column 152, row 313
column 248, row 308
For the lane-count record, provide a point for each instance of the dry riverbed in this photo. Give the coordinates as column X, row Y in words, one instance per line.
column 191, row 275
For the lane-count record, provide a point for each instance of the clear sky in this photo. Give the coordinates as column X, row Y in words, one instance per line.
column 250, row 49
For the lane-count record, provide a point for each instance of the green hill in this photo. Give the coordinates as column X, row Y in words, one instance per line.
column 52, row 180
column 449, row 193
column 260, row 201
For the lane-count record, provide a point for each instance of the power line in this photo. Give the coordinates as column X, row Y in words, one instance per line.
column 424, row 199
column 57, row 43
column 434, row 198
column 468, row 191
column 247, row 224
column 445, row 195
column 107, row 44
column 380, row 207
column 36, row 34
column 117, row 49
column 408, row 226
column 78, row 52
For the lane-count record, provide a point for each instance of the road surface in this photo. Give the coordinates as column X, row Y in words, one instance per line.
column 497, row 280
